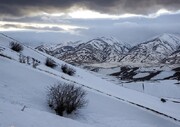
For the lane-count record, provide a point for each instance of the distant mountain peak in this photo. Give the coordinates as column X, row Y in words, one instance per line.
column 110, row 40
column 153, row 50
column 166, row 37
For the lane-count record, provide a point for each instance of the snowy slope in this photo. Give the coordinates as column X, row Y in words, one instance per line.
column 109, row 105
column 102, row 111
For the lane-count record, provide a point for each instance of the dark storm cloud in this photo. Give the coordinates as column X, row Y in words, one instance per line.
column 24, row 7
column 131, row 30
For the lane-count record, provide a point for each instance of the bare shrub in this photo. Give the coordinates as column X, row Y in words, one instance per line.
column 16, row 46
column 68, row 70
column 50, row 63
column 66, row 97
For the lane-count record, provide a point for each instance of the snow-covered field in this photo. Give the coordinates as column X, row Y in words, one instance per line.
column 156, row 86
column 165, row 89
column 109, row 105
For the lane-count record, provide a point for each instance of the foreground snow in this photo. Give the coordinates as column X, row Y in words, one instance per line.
column 102, row 111
column 12, row 116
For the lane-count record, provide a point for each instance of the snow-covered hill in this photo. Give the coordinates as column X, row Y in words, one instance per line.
column 154, row 50
column 94, row 51
column 22, row 85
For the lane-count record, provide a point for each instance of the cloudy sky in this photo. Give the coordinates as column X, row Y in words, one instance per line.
column 56, row 21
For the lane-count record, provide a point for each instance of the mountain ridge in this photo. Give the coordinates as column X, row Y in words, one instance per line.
column 99, row 50
column 103, row 49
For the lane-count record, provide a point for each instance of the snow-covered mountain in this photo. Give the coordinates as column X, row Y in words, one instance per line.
column 104, row 50
column 154, row 50
column 97, row 50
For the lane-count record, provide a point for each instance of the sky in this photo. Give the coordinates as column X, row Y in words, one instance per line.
column 55, row 21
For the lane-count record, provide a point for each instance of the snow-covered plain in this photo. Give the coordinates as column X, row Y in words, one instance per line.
column 109, row 105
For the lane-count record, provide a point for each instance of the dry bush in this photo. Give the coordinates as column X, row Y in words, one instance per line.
column 16, row 46
column 66, row 97
column 68, row 70
column 50, row 63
